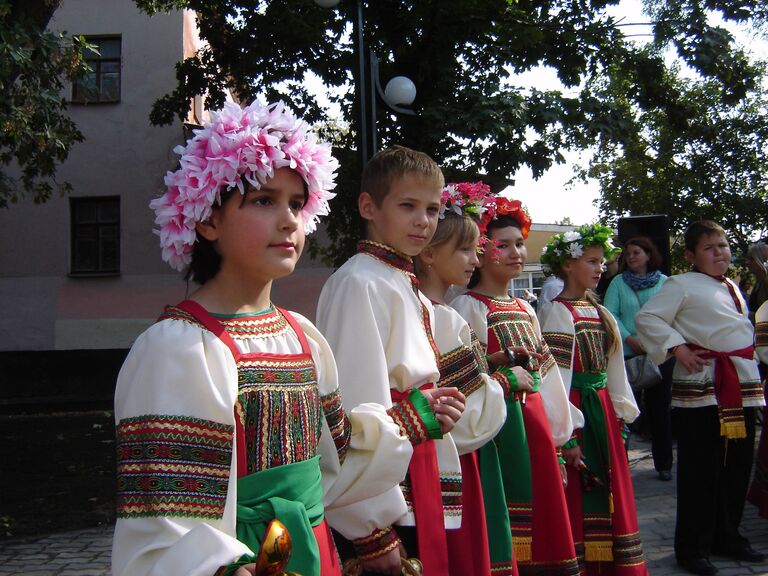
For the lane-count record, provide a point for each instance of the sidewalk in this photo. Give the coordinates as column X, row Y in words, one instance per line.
column 87, row 552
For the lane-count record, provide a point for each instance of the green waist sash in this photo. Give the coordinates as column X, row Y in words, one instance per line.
column 594, row 445
column 292, row 494
column 594, row 438
column 513, row 448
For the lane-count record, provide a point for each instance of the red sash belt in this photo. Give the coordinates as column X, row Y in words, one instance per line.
column 427, row 497
column 728, row 389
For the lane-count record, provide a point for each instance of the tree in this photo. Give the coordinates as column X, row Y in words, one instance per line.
column 471, row 118
column 35, row 133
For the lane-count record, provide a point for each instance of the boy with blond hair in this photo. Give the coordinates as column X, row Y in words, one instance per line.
column 701, row 319
column 380, row 328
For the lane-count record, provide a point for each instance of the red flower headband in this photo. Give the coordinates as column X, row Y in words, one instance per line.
column 514, row 209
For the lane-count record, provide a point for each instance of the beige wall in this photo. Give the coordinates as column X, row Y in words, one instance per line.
column 42, row 308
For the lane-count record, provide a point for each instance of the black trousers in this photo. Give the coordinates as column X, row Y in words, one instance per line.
column 656, row 406
column 712, row 480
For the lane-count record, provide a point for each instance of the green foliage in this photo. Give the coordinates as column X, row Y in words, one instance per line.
column 35, row 133
column 712, row 165
column 462, row 55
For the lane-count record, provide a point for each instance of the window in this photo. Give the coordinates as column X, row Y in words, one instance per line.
column 102, row 83
column 95, row 235
column 528, row 280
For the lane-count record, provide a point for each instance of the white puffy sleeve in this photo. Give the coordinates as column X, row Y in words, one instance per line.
column 174, row 411
column 622, row 397
column 485, row 410
column 656, row 318
column 359, row 318
column 363, row 452
column 475, row 313
column 556, row 324
column 563, row 416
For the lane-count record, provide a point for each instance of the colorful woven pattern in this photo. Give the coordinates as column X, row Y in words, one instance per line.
column 459, row 369
column 172, row 466
column 338, row 423
column 280, row 409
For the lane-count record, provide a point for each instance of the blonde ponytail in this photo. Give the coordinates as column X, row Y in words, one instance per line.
column 612, row 338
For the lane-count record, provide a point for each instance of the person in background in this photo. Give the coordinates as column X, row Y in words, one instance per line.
column 611, row 269
column 639, row 280
column 550, row 290
column 757, row 264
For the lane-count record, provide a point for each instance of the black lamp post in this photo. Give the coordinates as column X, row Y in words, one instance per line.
column 399, row 90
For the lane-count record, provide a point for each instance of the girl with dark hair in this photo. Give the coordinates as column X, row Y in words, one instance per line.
column 225, row 406
column 639, row 280
column 539, row 416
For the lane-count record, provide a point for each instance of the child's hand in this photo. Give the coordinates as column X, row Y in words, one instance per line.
column 564, row 475
column 524, row 379
column 447, row 404
column 497, row 358
column 247, row 570
column 388, row 563
column 573, row 456
column 691, row 359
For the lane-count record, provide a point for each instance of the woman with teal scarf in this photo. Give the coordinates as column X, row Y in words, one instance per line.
column 639, row 280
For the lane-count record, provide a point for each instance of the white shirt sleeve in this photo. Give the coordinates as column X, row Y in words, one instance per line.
column 485, row 410
column 177, row 378
column 364, row 457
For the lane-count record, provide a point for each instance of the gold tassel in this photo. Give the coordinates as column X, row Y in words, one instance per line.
column 600, row 551
column 522, row 546
column 610, row 502
column 733, row 430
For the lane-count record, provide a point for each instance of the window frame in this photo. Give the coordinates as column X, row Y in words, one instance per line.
column 95, row 62
column 100, row 225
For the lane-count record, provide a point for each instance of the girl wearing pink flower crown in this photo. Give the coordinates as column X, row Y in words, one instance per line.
column 483, row 544
column 225, row 406
column 539, row 416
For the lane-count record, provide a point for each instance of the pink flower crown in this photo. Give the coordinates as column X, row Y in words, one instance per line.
column 239, row 143
column 471, row 199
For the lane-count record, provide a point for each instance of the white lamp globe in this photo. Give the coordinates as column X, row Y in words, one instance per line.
column 327, row 3
column 400, row 90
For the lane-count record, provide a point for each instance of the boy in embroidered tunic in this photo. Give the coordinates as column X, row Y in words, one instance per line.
column 483, row 544
column 380, row 328
column 225, row 405
column 701, row 318
column 539, row 416
column 585, row 342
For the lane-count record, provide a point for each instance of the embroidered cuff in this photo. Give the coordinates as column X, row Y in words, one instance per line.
column 230, row 569
column 376, row 544
column 559, row 454
column 572, row 443
column 416, row 419
column 507, row 379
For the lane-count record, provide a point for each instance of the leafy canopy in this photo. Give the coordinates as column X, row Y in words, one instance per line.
column 35, row 132
column 463, row 56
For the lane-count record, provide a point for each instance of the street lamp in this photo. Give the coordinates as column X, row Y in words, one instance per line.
column 399, row 91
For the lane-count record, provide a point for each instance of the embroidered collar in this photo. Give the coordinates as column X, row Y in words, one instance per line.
column 386, row 254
